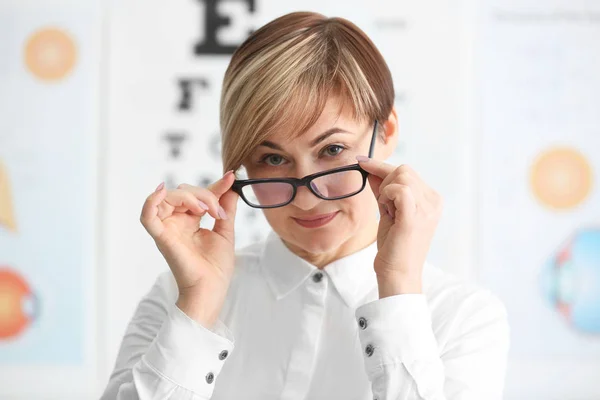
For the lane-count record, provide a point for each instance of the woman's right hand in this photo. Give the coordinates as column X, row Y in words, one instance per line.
column 202, row 260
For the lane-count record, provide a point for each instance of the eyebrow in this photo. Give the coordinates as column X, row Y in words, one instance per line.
column 315, row 142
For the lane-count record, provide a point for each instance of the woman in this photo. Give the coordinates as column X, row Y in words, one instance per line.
column 336, row 303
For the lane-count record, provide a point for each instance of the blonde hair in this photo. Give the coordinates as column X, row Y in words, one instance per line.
column 280, row 78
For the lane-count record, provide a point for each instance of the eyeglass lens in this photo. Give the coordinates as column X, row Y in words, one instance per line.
column 331, row 186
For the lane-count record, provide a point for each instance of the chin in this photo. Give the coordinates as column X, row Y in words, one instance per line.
column 317, row 241
column 324, row 239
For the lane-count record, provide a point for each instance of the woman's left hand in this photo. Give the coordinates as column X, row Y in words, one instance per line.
column 410, row 211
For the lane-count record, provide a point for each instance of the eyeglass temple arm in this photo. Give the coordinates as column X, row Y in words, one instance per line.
column 372, row 146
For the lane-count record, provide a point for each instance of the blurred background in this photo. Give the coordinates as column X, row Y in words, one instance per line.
column 100, row 101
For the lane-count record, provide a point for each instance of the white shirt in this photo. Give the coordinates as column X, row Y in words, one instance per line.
column 291, row 331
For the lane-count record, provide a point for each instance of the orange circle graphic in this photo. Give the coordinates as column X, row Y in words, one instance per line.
column 14, row 291
column 50, row 54
column 561, row 178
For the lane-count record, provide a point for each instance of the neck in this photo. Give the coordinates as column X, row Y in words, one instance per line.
column 365, row 237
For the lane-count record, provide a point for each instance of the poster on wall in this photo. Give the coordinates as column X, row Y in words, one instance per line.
column 540, row 186
column 48, row 112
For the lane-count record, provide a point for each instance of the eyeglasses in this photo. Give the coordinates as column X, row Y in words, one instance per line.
column 333, row 184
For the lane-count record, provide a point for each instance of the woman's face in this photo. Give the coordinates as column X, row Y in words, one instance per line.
column 320, row 148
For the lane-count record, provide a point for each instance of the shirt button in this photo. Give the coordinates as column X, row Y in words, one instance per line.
column 318, row 276
column 369, row 350
column 210, row 377
column 223, row 355
column 362, row 322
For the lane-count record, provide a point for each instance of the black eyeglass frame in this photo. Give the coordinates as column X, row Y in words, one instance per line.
column 238, row 184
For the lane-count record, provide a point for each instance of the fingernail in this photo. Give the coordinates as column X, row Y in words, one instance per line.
column 227, row 173
column 362, row 158
column 202, row 205
column 222, row 213
column 159, row 188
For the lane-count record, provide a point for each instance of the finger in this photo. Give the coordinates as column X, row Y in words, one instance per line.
column 180, row 200
column 222, row 185
column 205, row 198
column 402, row 197
column 225, row 227
column 433, row 200
column 149, row 215
column 375, row 167
column 387, row 208
column 216, row 190
column 411, row 171
column 375, row 184
column 398, row 175
column 404, row 175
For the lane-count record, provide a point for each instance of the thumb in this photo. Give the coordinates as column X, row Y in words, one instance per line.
column 222, row 185
column 375, row 183
column 226, row 227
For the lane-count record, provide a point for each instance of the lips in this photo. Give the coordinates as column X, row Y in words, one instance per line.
column 314, row 221
column 314, row 217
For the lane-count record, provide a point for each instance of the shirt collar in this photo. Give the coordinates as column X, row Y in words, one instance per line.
column 353, row 275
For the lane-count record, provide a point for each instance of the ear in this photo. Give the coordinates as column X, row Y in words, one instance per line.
column 389, row 135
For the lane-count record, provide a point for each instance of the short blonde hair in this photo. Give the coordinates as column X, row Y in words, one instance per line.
column 280, row 78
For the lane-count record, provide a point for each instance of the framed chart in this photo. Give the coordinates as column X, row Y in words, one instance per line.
column 539, row 180
column 49, row 113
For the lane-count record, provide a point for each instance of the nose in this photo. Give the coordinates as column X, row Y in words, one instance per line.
column 305, row 199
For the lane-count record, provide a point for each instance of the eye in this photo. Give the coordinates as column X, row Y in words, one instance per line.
column 273, row 159
column 333, row 150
